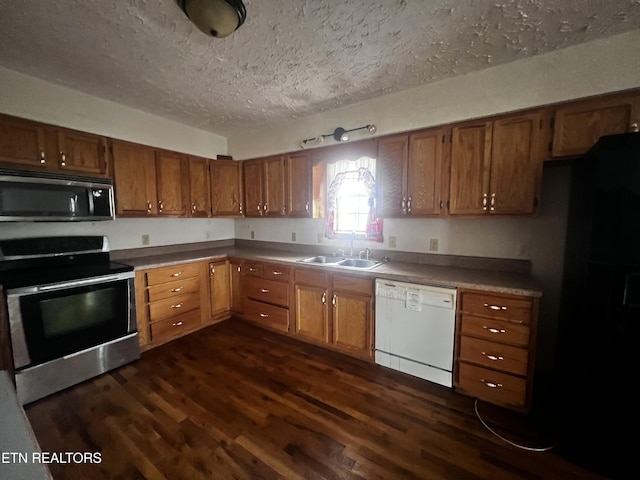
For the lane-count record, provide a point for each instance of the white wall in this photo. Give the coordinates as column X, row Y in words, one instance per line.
column 35, row 99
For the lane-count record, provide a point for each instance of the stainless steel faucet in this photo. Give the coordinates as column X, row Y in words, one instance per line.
column 366, row 252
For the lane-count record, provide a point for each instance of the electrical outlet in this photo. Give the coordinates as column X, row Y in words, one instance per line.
column 293, row 236
column 145, row 239
column 392, row 241
column 253, row 234
column 320, row 238
column 433, row 245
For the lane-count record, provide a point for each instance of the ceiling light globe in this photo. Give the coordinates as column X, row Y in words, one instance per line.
column 216, row 18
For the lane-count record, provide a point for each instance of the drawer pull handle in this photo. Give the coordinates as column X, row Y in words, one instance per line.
column 264, row 315
column 495, row 307
column 494, row 330
column 324, row 298
column 264, row 290
column 178, row 305
column 177, row 324
column 491, row 384
column 174, row 290
column 275, row 272
column 177, row 274
column 495, row 358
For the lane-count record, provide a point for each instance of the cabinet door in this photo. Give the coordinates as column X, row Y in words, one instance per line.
column 81, row 152
column 226, row 188
column 391, row 176
column 352, row 332
column 274, row 187
column 470, row 164
column 516, row 164
column 299, row 185
column 236, row 286
column 170, row 183
column 424, row 172
column 22, row 142
column 134, row 169
column 252, row 172
column 220, row 291
column 312, row 315
column 199, row 191
column 578, row 125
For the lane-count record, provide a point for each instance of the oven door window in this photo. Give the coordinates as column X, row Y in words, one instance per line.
column 66, row 321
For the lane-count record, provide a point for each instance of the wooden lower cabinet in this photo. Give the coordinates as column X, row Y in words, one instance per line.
column 266, row 295
column 335, row 311
column 235, row 284
column 219, row 289
column 171, row 301
column 495, row 347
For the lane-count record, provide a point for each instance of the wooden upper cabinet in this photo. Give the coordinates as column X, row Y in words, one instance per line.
column 264, row 187
column 274, row 186
column 409, row 172
column 199, row 190
column 391, row 175
column 81, row 152
column 171, row 190
column 470, row 168
column 134, row 169
column 424, row 172
column 226, row 188
column 252, row 173
column 496, row 165
column 578, row 125
column 516, row 164
column 299, row 184
column 23, row 142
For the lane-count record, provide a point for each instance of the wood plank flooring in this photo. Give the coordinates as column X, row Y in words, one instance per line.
column 233, row 401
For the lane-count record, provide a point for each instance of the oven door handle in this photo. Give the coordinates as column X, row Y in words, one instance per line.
column 74, row 283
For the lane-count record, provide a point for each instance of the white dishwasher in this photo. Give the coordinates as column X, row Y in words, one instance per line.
column 415, row 327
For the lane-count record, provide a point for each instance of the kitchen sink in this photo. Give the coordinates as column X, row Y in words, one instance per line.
column 323, row 259
column 336, row 261
column 359, row 263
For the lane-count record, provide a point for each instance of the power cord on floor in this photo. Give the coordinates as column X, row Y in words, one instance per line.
column 523, row 447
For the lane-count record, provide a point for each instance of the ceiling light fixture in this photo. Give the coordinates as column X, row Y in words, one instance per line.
column 217, row 18
column 339, row 135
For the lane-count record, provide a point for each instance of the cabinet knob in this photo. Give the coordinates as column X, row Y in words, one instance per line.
column 403, row 204
column 176, row 274
column 494, row 330
column 306, row 207
column 264, row 207
column 493, row 202
column 494, row 358
column 240, row 208
column 491, row 384
column 264, row 315
column 160, row 206
column 177, row 324
column 42, row 159
column 484, row 202
column 635, row 127
column 494, row 307
column 178, row 305
column 334, row 300
column 194, row 207
column 63, row 159
column 264, row 290
column 148, row 207
column 409, row 204
column 324, row 298
column 176, row 290
column 213, row 270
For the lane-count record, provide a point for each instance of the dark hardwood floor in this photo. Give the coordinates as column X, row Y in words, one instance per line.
column 234, row 401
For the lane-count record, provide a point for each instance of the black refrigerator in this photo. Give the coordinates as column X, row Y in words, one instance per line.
column 597, row 367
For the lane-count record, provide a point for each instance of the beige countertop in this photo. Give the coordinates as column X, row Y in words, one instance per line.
column 447, row 276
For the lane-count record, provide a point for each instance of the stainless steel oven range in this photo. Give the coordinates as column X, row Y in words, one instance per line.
column 71, row 311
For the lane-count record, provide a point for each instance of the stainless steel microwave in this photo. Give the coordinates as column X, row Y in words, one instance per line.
column 35, row 196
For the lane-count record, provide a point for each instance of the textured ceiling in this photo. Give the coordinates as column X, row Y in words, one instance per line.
column 292, row 57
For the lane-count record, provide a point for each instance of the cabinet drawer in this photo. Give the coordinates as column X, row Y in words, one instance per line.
column 267, row 291
column 315, row 278
column 495, row 330
column 345, row 283
column 170, row 307
column 267, row 315
column 494, row 355
column 253, row 269
column 276, row 272
column 517, row 310
column 176, row 326
column 172, row 273
column 492, row 386
column 173, row 289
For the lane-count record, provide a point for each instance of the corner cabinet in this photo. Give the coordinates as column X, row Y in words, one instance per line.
column 334, row 311
column 226, row 188
column 496, row 166
column 495, row 347
column 409, row 171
